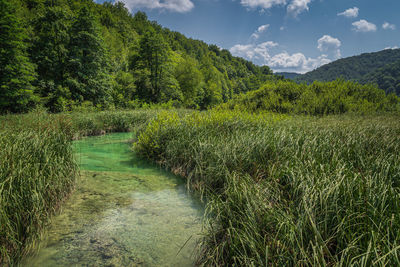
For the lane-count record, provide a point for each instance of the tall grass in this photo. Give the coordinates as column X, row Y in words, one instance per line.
column 37, row 171
column 281, row 191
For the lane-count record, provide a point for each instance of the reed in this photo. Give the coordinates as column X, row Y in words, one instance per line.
column 37, row 172
column 287, row 190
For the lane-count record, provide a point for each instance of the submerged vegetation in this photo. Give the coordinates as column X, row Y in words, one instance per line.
column 288, row 191
column 38, row 169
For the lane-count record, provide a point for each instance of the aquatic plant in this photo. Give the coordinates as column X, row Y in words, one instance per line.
column 37, row 172
column 288, row 191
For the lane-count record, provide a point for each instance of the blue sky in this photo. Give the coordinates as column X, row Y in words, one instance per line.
column 287, row 35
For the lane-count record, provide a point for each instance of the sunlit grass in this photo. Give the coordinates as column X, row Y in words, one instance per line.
column 288, row 191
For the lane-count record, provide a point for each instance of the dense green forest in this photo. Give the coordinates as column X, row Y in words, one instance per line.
column 62, row 54
column 387, row 78
column 360, row 68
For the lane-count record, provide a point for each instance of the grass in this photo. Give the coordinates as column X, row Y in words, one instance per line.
column 279, row 190
column 37, row 172
column 287, row 191
column 38, row 169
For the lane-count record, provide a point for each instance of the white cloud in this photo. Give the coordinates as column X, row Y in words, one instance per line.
column 260, row 30
column 258, row 53
column 364, row 26
column 261, row 54
column 261, row 3
column 180, row 6
column 350, row 13
column 329, row 44
column 294, row 7
column 389, row 47
column 297, row 62
column 388, row 26
column 298, row 6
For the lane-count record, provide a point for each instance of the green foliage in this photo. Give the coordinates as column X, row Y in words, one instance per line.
column 38, row 168
column 284, row 192
column 102, row 54
column 387, row 78
column 37, row 172
column 319, row 98
column 88, row 67
column 16, row 70
column 379, row 67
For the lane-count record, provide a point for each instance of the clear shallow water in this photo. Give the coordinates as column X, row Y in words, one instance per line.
column 124, row 212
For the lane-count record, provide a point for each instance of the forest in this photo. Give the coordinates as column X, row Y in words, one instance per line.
column 377, row 68
column 61, row 54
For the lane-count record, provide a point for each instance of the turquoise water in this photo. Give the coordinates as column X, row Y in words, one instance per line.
column 124, row 212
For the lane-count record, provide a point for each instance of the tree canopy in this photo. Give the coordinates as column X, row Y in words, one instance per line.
column 62, row 54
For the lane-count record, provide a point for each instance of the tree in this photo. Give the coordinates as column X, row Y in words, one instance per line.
column 153, row 56
column 189, row 78
column 16, row 71
column 50, row 51
column 88, row 68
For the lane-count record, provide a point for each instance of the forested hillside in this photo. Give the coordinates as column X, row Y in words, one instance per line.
column 358, row 68
column 387, row 78
column 288, row 75
column 62, row 54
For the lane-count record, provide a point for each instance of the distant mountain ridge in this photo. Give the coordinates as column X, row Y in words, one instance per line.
column 377, row 67
column 288, row 75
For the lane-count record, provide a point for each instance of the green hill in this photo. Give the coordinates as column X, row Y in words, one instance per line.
column 387, row 78
column 62, row 54
column 357, row 68
column 288, row 75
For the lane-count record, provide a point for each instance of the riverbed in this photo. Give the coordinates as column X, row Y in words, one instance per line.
column 125, row 211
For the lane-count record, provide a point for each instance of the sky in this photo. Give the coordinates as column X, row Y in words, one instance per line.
column 286, row 35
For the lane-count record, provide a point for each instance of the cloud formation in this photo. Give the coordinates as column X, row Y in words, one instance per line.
column 258, row 53
column 180, row 6
column 391, row 47
column 297, row 62
column 297, row 6
column 294, row 7
column 262, row 3
column 261, row 29
column 350, row 13
column 388, row 26
column 363, row 26
column 331, row 45
column 261, row 54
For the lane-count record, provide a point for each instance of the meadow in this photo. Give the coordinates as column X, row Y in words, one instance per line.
column 278, row 189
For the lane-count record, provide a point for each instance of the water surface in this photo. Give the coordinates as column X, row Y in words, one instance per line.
column 124, row 212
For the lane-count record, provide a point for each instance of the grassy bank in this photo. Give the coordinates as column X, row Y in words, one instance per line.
column 38, row 169
column 288, row 191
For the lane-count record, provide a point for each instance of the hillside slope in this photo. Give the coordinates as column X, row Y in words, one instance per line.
column 356, row 68
column 387, row 78
column 288, row 75
column 79, row 52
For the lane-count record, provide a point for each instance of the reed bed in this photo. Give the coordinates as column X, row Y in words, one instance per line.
column 38, row 169
column 286, row 191
column 37, row 172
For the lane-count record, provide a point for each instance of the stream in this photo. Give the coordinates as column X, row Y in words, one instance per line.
column 124, row 212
